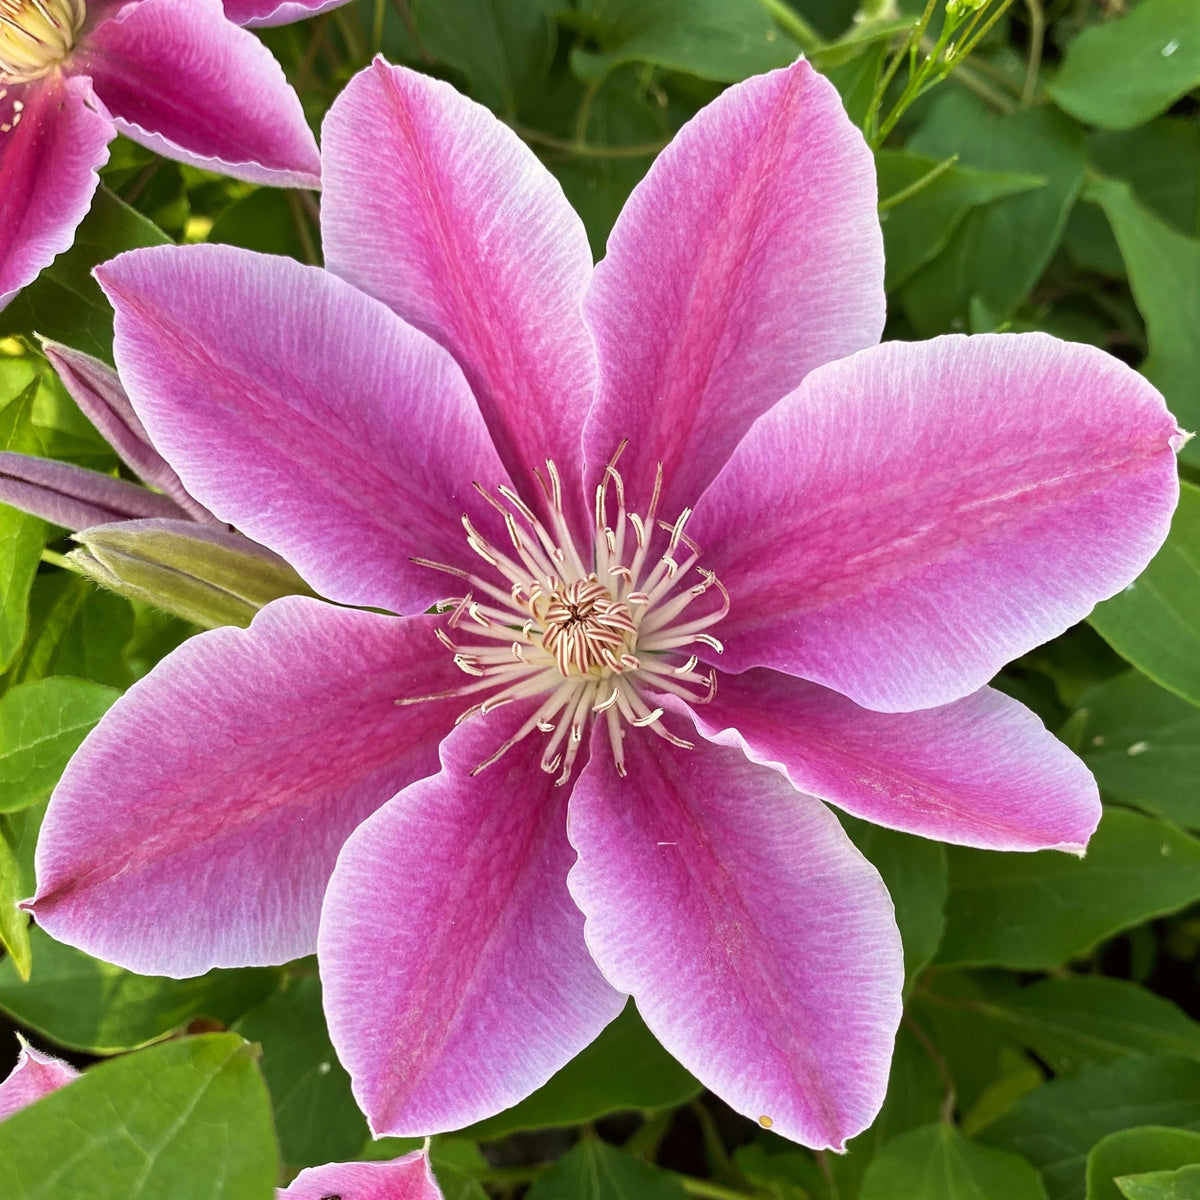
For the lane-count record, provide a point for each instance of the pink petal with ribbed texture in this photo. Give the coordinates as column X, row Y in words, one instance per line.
column 75, row 497
column 48, row 173
column 407, row 1178
column 913, row 517
column 436, row 208
column 760, row 946
column 181, row 79
column 199, row 822
column 276, row 12
column 35, row 1075
column 455, row 973
column 97, row 389
column 305, row 413
column 982, row 771
column 750, row 254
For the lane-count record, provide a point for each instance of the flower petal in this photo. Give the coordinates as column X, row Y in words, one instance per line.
column 982, row 771
column 407, row 1178
column 303, row 412
column 760, row 946
column 35, row 1075
column 179, row 78
column 97, row 389
column 49, row 160
column 199, row 822
column 436, row 208
column 455, row 973
column 276, row 12
column 750, row 254
column 915, row 516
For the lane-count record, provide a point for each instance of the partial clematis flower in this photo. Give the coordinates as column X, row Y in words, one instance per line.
column 178, row 76
column 677, row 553
column 408, row 1178
column 258, row 13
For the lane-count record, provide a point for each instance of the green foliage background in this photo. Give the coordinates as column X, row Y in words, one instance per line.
column 1051, row 1044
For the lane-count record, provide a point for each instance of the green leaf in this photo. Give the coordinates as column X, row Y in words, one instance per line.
column 454, row 1160
column 1161, row 164
column 269, row 220
column 914, row 870
column 41, row 725
column 504, row 48
column 938, row 1163
column 1056, row 1125
column 188, row 1120
column 1183, row 1184
column 1091, row 1018
column 917, row 229
column 1135, row 1152
column 21, row 536
column 84, row 1004
column 1122, row 73
column 64, row 302
column 1155, row 622
column 624, row 1068
column 998, row 252
column 1142, row 743
column 1164, row 273
column 594, row 1170
column 1035, row 911
column 721, row 40
column 14, row 924
column 315, row 1114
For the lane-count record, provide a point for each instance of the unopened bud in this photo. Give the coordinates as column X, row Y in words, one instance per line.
column 206, row 575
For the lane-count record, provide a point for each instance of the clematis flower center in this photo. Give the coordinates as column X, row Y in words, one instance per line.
column 595, row 628
column 35, row 36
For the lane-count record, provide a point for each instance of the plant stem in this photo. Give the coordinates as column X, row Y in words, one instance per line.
column 788, row 19
column 711, row 1191
column 918, row 184
column 1037, row 38
column 583, row 150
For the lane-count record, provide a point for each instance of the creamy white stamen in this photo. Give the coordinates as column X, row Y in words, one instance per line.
column 587, row 629
column 35, row 36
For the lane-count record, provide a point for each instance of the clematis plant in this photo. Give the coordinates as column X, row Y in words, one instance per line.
column 702, row 556
column 178, row 76
column 408, row 1178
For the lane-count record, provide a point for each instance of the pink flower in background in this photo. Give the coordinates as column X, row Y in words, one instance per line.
column 705, row 556
column 175, row 75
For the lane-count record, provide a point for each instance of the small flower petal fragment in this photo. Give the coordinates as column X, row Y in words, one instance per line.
column 407, row 1178
column 982, row 771
column 180, row 78
column 52, row 144
column 257, row 13
column 472, row 241
column 942, row 507
column 232, row 775
column 749, row 255
column 760, row 946
column 35, row 1075
column 455, row 974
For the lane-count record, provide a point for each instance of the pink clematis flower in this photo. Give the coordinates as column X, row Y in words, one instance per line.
column 175, row 75
column 704, row 557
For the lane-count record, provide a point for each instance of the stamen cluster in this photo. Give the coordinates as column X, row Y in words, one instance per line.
column 589, row 630
column 36, row 35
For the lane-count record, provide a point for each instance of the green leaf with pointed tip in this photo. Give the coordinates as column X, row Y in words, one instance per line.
column 1035, row 911
column 1155, row 622
column 1183, row 1184
column 1056, row 1126
column 21, row 536
column 83, row 1004
column 594, row 1170
column 188, row 1120
column 938, row 1163
column 1121, row 73
column 1092, row 1018
column 722, row 40
column 14, row 924
column 1142, row 743
column 1164, row 273
column 65, row 303
column 41, row 725
column 624, row 1068
column 1135, row 1152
